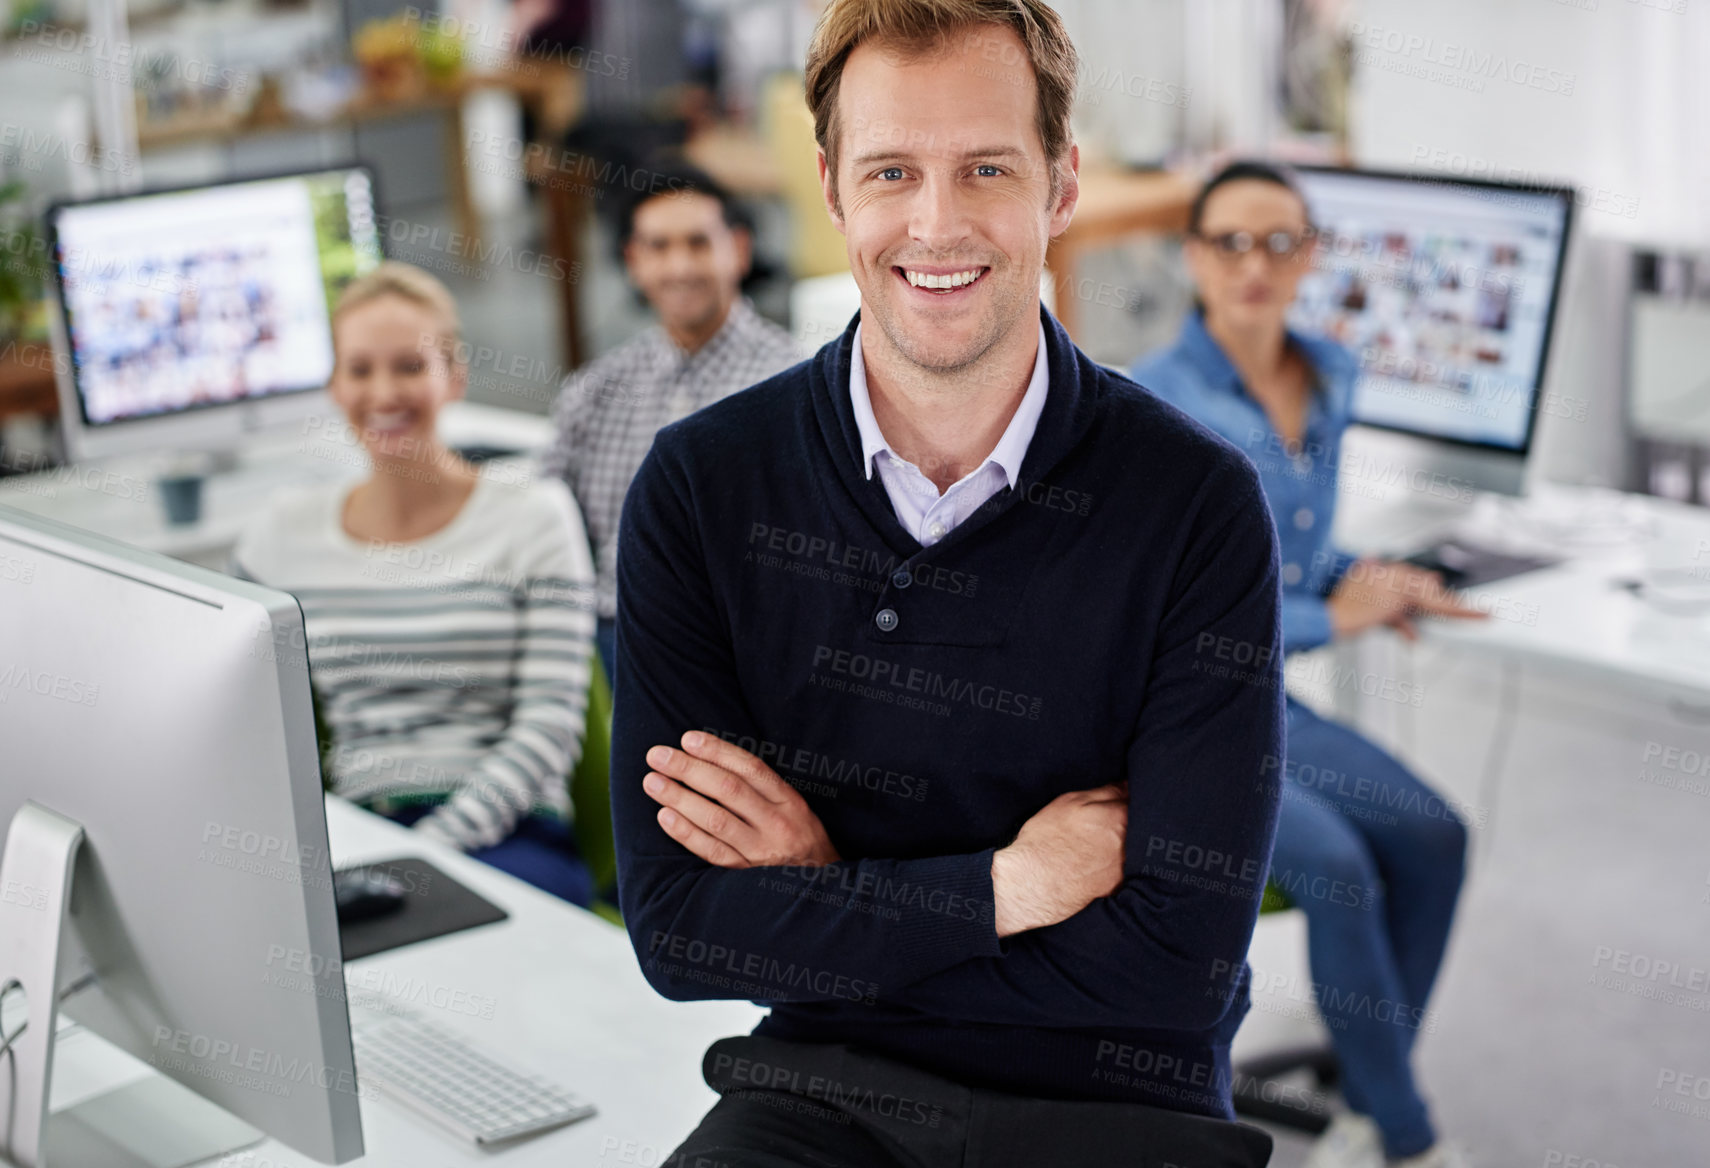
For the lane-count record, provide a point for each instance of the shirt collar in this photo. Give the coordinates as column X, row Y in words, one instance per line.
column 1010, row 449
column 1206, row 355
column 1333, row 370
column 737, row 321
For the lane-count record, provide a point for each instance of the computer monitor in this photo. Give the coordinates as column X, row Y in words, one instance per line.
column 189, row 317
column 1446, row 292
column 167, row 844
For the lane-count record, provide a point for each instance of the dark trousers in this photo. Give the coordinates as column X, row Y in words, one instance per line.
column 790, row 1104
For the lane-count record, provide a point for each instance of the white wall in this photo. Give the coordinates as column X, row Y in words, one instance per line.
column 1609, row 95
column 1135, row 94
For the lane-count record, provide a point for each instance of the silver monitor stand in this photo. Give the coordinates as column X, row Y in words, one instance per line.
column 154, row 1122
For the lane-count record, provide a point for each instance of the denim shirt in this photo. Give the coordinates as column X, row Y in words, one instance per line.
column 1196, row 377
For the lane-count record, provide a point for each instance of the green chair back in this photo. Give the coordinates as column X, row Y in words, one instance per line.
column 591, row 794
column 590, row 787
column 1276, row 900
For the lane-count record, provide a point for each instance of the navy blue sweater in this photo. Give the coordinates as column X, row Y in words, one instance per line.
column 1113, row 616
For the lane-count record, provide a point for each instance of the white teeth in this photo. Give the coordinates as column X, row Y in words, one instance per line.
column 952, row 280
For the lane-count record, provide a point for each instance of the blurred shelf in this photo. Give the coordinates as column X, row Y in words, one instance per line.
column 225, row 126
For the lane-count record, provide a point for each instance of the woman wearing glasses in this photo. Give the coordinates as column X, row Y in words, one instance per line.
column 1370, row 853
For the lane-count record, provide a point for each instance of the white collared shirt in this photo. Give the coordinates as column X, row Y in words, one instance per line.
column 923, row 512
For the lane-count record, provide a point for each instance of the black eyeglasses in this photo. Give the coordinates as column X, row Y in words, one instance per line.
column 1280, row 245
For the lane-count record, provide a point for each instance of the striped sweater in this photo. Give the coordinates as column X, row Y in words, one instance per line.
column 453, row 668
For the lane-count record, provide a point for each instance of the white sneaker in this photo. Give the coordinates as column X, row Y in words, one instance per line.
column 1351, row 1141
column 1438, row 1155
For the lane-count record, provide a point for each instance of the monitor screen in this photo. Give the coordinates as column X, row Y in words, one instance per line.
column 179, row 300
column 1444, row 291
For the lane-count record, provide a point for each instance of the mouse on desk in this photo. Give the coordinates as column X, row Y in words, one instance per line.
column 362, row 894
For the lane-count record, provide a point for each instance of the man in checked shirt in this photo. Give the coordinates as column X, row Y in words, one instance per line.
column 687, row 253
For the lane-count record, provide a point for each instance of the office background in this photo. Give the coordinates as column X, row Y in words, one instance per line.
column 1572, row 730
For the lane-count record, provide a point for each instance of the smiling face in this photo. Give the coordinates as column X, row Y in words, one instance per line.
column 393, row 375
column 687, row 261
column 944, row 195
column 1251, row 291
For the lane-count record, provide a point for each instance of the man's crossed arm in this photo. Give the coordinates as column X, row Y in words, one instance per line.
column 730, row 809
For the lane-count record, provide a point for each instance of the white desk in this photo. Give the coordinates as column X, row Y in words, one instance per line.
column 1491, row 695
column 1575, row 618
column 1569, row 657
column 570, row 1002
column 117, row 497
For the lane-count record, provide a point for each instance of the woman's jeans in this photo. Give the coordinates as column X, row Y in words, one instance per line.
column 1374, row 858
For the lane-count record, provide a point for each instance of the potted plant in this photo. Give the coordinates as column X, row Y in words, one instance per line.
column 23, row 267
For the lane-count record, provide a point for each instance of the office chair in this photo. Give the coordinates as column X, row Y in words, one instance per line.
column 1255, row 1075
column 591, row 794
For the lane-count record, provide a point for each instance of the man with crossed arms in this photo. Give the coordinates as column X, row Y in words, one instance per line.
column 950, row 549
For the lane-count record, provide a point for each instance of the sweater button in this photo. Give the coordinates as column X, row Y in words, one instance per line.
column 886, row 620
column 902, row 578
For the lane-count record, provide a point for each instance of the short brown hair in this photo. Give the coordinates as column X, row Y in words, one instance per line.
column 922, row 26
column 419, row 287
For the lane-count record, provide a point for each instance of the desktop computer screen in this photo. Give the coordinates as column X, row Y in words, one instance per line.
column 1445, row 291
column 179, row 300
column 161, row 800
column 166, row 882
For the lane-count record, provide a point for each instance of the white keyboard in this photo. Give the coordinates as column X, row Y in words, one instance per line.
column 433, row 1072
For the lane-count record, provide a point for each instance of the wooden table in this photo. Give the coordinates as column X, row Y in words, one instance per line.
column 1114, row 204
column 26, row 380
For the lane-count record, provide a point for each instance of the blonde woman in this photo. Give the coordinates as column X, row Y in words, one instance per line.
column 449, row 614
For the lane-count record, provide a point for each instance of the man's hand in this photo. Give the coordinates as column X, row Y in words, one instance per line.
column 731, row 809
column 1065, row 857
column 1385, row 592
